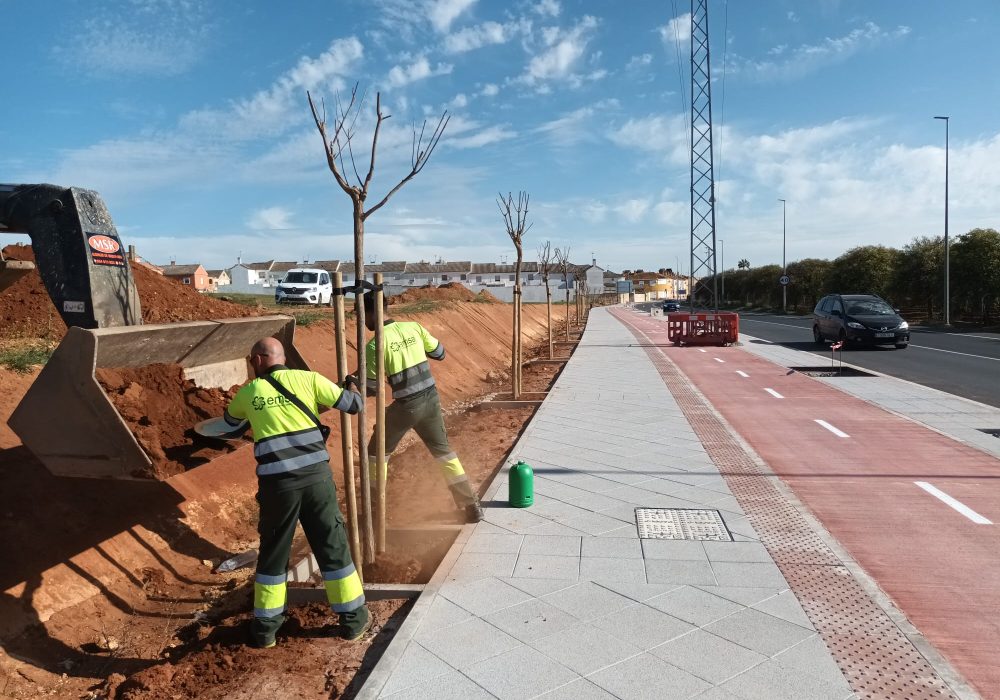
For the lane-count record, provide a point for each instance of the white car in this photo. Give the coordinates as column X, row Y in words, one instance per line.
column 305, row 285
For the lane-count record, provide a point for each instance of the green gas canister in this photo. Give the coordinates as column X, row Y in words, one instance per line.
column 521, row 485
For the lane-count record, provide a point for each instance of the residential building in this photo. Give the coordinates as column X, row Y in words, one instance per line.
column 192, row 275
column 422, row 274
column 218, row 278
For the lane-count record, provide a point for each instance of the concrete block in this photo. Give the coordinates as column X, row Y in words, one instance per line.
column 441, row 613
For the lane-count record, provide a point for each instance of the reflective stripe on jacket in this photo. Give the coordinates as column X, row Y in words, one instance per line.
column 285, row 438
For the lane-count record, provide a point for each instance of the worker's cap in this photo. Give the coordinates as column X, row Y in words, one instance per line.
column 219, row 428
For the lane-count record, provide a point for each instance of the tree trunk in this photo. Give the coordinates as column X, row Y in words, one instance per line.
column 380, row 460
column 346, row 439
column 367, row 534
column 516, row 345
column 548, row 316
column 566, row 282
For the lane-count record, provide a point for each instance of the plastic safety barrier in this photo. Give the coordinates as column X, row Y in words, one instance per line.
column 711, row 328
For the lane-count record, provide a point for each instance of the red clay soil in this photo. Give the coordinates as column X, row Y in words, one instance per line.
column 160, row 407
column 27, row 312
column 450, row 291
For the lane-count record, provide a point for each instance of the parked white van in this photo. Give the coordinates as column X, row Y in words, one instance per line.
column 305, row 285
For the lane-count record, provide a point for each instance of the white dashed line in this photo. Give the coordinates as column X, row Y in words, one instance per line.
column 957, row 505
column 773, row 393
column 718, row 360
column 835, row 431
column 702, row 350
column 742, row 373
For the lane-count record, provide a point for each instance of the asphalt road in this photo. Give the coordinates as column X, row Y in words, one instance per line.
column 961, row 363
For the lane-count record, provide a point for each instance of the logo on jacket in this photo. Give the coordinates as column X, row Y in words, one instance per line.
column 398, row 345
column 259, row 403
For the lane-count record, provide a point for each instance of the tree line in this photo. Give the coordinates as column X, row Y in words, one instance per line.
column 911, row 278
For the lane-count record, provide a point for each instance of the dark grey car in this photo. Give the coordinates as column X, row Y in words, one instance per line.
column 859, row 319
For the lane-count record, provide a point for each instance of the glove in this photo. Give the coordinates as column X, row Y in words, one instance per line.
column 351, row 382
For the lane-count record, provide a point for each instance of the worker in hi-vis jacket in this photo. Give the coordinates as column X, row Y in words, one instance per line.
column 415, row 402
column 295, row 485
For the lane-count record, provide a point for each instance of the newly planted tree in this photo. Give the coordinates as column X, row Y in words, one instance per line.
column 515, row 220
column 545, row 265
column 339, row 150
column 562, row 257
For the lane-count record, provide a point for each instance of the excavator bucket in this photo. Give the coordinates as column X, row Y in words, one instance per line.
column 69, row 423
column 13, row 270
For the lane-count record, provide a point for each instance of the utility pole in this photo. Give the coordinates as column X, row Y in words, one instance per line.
column 947, row 262
column 784, row 287
column 702, row 163
column 722, row 247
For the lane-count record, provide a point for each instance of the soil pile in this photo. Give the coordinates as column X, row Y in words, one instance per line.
column 450, row 291
column 161, row 407
column 27, row 312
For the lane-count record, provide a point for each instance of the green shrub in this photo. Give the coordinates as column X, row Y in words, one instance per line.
column 22, row 359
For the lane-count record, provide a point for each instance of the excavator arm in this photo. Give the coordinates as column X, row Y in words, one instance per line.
column 77, row 253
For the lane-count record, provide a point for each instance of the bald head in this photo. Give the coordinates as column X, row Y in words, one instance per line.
column 266, row 353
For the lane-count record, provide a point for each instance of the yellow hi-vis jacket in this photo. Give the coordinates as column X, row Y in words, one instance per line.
column 407, row 346
column 285, row 438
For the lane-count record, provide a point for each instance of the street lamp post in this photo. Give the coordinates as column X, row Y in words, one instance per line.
column 947, row 263
column 784, row 287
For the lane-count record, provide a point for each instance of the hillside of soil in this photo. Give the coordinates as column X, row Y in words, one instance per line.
column 27, row 312
column 450, row 291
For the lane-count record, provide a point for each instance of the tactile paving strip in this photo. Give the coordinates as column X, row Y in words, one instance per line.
column 876, row 658
column 681, row 524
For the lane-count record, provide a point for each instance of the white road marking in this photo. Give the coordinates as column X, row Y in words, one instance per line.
column 955, row 352
column 742, row 373
column 957, row 505
column 718, row 360
column 835, row 431
column 702, row 350
column 773, row 393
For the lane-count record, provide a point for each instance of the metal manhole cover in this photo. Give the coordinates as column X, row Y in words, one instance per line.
column 995, row 432
column 681, row 524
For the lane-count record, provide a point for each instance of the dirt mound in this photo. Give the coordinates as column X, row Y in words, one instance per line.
column 160, row 407
column 450, row 291
column 27, row 312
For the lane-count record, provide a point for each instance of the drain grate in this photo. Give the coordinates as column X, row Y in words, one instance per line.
column 681, row 524
column 829, row 371
column 995, row 432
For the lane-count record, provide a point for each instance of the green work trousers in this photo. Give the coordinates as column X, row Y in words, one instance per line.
column 422, row 412
column 315, row 506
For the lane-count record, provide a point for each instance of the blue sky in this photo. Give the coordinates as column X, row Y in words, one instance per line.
column 190, row 118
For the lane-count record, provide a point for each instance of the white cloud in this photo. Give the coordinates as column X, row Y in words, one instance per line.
column 149, row 38
column 664, row 137
column 281, row 105
column 418, row 70
column 485, row 34
column 489, row 135
column 792, row 17
column 677, row 32
column 574, row 127
column 459, row 101
column 565, row 49
column 671, row 213
column 490, row 90
column 808, row 58
column 547, row 8
column 639, row 61
column 270, row 219
column 632, row 210
column 442, row 13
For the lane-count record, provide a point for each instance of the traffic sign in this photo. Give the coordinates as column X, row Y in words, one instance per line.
column 784, row 280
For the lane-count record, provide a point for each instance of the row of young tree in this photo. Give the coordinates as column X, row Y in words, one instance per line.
column 911, row 278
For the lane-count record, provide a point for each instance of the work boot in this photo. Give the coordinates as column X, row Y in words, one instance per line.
column 355, row 628
column 474, row 513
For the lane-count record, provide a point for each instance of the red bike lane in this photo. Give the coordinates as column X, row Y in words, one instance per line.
column 870, row 477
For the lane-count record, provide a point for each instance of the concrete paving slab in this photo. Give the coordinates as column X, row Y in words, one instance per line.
column 786, row 606
column 468, row 642
column 547, row 566
column 620, row 547
column 579, row 689
column 728, row 573
column 551, row 544
column 602, row 569
column 773, row 681
column 584, row 648
column 494, row 543
column 674, row 550
column 760, row 632
column 532, row 619
column 736, row 552
column 646, row 677
column 643, row 626
column 416, row 666
column 483, row 596
column 588, row 600
column 708, row 656
column 694, row 605
column 521, row 673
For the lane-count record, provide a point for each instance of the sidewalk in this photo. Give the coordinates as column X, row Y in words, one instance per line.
column 564, row 600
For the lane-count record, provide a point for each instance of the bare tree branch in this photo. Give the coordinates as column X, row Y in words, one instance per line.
column 419, row 160
column 328, row 142
column 545, row 261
